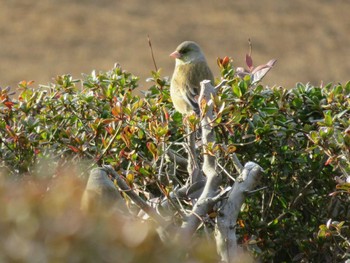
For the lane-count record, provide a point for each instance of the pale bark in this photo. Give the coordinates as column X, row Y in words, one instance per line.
column 225, row 229
column 206, row 200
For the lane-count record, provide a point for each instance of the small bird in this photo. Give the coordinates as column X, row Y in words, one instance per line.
column 190, row 69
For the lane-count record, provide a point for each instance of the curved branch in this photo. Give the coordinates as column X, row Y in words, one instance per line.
column 225, row 232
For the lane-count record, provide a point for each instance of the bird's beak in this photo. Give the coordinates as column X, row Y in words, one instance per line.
column 175, row 54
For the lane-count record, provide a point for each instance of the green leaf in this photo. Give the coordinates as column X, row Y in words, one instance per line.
column 144, row 172
column 270, row 110
column 153, row 149
column 347, row 88
column 314, row 136
column 237, row 91
column 328, row 120
column 297, row 103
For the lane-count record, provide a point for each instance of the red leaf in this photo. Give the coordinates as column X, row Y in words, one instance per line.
column 166, row 114
column 246, row 238
column 74, row 149
column 249, row 61
column 109, row 130
column 329, row 161
column 225, row 61
column 9, row 104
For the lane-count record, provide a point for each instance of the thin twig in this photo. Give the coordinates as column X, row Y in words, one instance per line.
column 250, row 47
column 225, row 172
column 150, row 46
column 256, row 190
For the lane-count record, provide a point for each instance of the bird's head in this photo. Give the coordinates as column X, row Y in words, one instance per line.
column 188, row 52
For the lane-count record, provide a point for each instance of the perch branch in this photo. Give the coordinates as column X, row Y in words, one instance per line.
column 205, row 201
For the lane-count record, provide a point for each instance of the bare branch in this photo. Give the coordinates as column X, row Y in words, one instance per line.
column 225, row 232
column 138, row 201
column 211, row 188
column 237, row 163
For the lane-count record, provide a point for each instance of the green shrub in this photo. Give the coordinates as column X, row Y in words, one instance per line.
column 300, row 136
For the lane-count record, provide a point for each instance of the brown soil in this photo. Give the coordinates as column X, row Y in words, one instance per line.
column 42, row 39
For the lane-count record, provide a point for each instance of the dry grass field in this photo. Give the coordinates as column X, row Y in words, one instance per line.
column 42, row 39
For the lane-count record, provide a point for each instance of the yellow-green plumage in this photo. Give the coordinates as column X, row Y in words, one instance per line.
column 191, row 68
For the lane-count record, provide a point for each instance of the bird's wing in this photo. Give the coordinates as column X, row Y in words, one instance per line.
column 190, row 96
column 200, row 72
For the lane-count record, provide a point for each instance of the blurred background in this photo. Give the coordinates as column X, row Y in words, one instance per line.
column 42, row 39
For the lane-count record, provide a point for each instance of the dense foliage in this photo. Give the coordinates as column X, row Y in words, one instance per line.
column 300, row 136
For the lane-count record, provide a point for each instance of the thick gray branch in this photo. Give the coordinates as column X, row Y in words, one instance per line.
column 225, row 232
column 205, row 201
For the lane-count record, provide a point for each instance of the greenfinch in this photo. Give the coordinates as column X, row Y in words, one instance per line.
column 190, row 69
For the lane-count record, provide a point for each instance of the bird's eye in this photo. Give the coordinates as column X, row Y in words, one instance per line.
column 184, row 50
